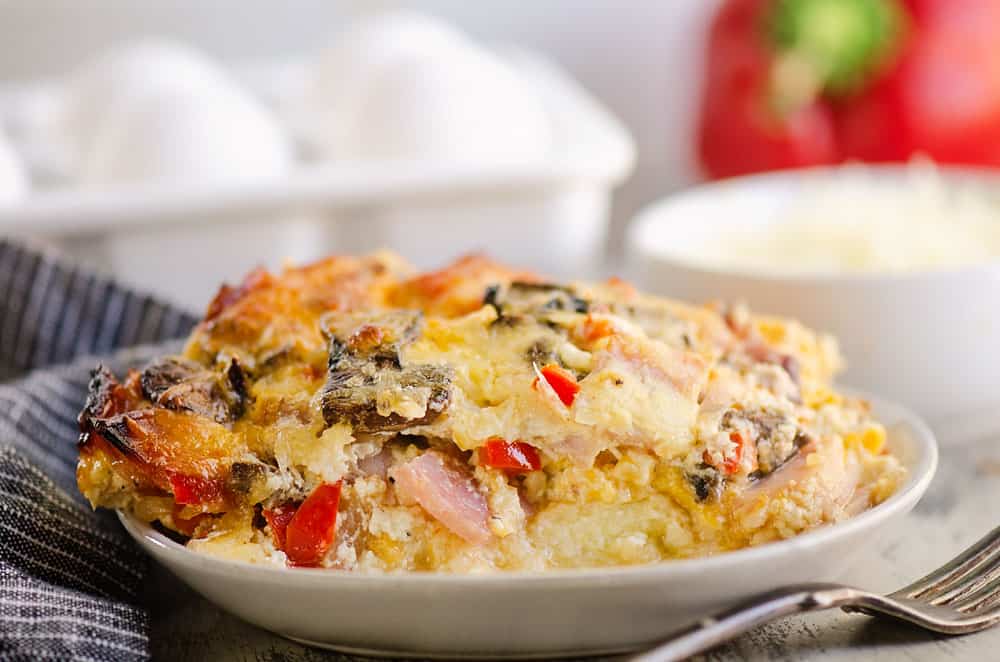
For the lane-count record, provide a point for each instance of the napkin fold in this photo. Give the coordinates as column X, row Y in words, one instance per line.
column 70, row 578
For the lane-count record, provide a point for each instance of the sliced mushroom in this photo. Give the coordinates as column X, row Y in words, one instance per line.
column 705, row 481
column 160, row 375
column 182, row 385
column 541, row 352
column 248, row 479
column 535, row 299
column 369, row 386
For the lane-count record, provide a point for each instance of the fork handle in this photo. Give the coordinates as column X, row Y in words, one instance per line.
column 725, row 625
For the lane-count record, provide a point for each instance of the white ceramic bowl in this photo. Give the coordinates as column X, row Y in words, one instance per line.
column 567, row 612
column 925, row 338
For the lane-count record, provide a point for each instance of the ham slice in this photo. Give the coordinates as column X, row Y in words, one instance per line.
column 377, row 464
column 447, row 493
column 685, row 371
column 839, row 477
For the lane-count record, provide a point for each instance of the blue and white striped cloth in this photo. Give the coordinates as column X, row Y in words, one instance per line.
column 70, row 580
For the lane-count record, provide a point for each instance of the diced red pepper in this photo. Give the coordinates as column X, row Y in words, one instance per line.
column 311, row 531
column 595, row 328
column 278, row 519
column 194, row 490
column 512, row 456
column 730, row 464
column 562, row 382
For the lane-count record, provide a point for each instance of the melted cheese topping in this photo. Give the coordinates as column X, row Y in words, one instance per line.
column 680, row 430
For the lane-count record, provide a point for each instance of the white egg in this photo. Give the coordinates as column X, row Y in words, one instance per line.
column 13, row 182
column 466, row 106
column 360, row 53
column 127, row 72
column 201, row 135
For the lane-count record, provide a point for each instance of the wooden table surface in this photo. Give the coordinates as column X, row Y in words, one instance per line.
column 962, row 504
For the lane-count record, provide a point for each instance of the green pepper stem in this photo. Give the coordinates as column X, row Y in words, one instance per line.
column 846, row 42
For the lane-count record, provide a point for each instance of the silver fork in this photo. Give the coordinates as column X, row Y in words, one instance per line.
column 961, row 596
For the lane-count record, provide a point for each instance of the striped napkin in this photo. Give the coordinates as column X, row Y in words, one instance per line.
column 70, row 579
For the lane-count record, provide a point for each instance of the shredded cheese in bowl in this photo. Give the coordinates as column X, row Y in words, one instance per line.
column 864, row 221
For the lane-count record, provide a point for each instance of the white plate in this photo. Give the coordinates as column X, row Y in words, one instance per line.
column 567, row 612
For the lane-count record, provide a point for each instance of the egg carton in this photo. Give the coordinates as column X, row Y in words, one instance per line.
column 173, row 238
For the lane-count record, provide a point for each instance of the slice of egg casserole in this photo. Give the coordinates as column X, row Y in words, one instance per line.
column 353, row 414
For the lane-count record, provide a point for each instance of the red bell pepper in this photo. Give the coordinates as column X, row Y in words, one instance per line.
column 511, row 456
column 278, row 519
column 731, row 464
column 562, row 381
column 194, row 490
column 310, row 532
column 805, row 82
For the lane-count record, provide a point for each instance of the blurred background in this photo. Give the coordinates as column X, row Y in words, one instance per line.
column 641, row 61
column 180, row 143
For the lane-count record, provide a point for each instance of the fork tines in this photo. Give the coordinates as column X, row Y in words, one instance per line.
column 970, row 582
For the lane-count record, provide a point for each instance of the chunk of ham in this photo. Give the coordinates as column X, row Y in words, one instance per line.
column 447, row 493
column 377, row 464
column 685, row 372
column 795, row 470
column 838, row 475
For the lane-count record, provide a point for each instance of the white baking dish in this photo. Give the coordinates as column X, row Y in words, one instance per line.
column 173, row 240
